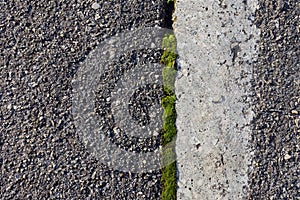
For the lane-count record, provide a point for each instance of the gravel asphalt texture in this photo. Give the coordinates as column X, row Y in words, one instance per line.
column 42, row 44
column 275, row 171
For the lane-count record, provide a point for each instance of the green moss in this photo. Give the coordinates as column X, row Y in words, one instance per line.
column 169, row 182
column 169, row 74
column 169, row 118
column 168, row 59
column 169, row 46
column 169, row 43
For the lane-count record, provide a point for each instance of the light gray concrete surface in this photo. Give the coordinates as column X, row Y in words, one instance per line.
column 217, row 44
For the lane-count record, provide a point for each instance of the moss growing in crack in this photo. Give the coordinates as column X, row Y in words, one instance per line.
column 169, row 182
column 169, row 118
column 168, row 178
column 169, row 46
column 168, row 75
column 168, row 59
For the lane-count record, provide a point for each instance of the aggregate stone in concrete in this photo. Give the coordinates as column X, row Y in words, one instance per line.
column 217, row 45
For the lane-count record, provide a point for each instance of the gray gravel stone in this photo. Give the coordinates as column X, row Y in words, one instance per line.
column 95, row 6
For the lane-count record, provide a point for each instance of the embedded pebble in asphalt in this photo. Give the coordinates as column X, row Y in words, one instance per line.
column 95, row 6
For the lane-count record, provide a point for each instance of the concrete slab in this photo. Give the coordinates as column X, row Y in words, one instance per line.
column 216, row 43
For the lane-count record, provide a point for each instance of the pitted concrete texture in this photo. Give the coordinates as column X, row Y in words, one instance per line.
column 217, row 45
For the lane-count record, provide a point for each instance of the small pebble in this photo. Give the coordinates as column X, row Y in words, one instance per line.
column 287, row 157
column 95, row 6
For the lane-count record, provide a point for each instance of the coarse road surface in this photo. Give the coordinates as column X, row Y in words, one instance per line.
column 43, row 44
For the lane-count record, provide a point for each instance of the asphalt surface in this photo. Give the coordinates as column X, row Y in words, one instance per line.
column 275, row 170
column 42, row 45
